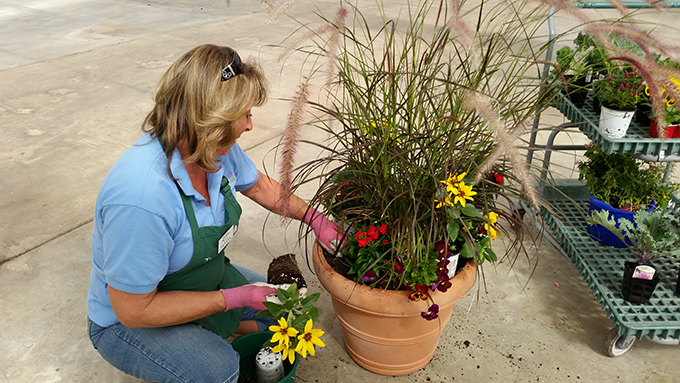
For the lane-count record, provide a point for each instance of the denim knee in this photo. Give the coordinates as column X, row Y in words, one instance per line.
column 184, row 353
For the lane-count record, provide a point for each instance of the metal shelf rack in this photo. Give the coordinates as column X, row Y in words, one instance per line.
column 601, row 266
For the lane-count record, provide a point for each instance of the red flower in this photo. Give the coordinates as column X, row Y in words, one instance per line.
column 383, row 229
column 362, row 242
column 419, row 293
column 372, row 233
column 443, row 286
column 399, row 265
column 384, row 242
column 499, row 179
column 442, row 250
column 431, row 313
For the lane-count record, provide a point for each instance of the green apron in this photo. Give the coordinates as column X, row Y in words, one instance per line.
column 209, row 269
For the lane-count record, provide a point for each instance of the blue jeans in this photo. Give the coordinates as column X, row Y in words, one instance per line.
column 183, row 353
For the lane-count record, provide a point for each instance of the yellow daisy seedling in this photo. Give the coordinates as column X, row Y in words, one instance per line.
column 293, row 314
column 308, row 339
column 282, row 333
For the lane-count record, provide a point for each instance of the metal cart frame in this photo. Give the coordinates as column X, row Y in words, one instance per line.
column 601, row 266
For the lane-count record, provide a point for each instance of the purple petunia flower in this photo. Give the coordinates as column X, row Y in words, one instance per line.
column 369, row 276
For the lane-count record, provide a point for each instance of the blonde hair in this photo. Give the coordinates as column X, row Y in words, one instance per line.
column 193, row 104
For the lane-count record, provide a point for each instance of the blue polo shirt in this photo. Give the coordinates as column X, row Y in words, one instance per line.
column 141, row 231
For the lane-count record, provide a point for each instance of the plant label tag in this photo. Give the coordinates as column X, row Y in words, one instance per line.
column 644, row 272
column 226, row 238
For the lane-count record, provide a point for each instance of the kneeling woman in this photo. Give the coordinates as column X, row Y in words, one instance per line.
column 163, row 296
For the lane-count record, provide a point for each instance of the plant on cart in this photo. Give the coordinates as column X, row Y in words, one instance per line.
column 621, row 89
column 652, row 234
column 649, row 235
column 623, row 181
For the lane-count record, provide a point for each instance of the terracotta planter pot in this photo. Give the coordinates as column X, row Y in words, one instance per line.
column 382, row 329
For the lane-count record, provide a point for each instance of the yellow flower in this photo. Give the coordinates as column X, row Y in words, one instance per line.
column 675, row 81
column 669, row 101
column 452, row 182
column 445, row 202
column 491, row 226
column 308, row 339
column 282, row 332
column 462, row 193
column 286, row 351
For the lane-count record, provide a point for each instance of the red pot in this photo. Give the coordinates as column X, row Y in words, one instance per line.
column 672, row 131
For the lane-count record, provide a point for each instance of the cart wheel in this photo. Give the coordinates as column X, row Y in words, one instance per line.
column 615, row 345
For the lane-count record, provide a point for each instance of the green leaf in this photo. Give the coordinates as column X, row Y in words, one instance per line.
column 294, row 292
column 274, row 309
column 452, row 229
column 266, row 314
column 283, row 295
column 313, row 313
column 466, row 251
column 471, row 211
column 309, row 302
column 300, row 321
column 289, row 304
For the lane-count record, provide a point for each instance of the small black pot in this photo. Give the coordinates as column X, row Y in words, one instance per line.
column 642, row 114
column 597, row 107
column 637, row 290
column 577, row 90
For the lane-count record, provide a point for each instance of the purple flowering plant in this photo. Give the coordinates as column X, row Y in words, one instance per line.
column 621, row 89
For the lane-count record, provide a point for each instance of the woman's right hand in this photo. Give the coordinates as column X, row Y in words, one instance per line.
column 247, row 296
column 326, row 231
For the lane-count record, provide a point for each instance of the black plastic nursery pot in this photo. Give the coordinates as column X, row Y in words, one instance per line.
column 249, row 345
column 636, row 290
column 577, row 91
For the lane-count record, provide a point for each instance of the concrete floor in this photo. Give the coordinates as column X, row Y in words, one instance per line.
column 76, row 79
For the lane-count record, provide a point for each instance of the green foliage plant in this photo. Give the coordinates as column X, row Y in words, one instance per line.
column 623, row 181
column 650, row 235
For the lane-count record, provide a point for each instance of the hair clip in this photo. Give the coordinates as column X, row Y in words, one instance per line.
column 233, row 69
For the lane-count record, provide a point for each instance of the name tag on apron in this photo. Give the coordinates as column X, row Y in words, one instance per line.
column 226, row 238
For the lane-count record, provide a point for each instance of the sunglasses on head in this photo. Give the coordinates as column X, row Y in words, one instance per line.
column 233, row 69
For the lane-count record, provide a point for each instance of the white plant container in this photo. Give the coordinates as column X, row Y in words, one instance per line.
column 615, row 123
column 268, row 366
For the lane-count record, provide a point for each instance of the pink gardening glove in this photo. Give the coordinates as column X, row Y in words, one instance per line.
column 247, row 296
column 327, row 232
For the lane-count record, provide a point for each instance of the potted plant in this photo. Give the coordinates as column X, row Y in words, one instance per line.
column 575, row 67
column 670, row 112
column 420, row 164
column 619, row 93
column 270, row 356
column 621, row 185
column 651, row 234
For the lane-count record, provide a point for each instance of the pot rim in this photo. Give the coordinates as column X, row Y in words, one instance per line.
column 353, row 294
